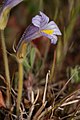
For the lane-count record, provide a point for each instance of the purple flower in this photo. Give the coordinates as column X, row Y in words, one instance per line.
column 4, row 11
column 11, row 3
column 40, row 27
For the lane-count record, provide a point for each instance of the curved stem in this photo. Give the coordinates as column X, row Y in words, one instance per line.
column 7, row 74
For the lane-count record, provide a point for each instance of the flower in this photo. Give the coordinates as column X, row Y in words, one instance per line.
column 40, row 27
column 47, row 29
column 4, row 11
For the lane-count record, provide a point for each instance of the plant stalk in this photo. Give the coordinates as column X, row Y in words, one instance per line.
column 53, row 67
column 20, row 86
column 6, row 65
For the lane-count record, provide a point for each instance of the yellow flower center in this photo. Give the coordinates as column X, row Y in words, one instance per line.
column 50, row 32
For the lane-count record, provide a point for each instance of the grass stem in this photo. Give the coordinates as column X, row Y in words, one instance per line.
column 53, row 67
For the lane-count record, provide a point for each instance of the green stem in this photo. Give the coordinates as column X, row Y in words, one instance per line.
column 20, row 86
column 53, row 66
column 6, row 68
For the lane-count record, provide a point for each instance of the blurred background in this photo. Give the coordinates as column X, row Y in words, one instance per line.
column 62, row 59
column 66, row 14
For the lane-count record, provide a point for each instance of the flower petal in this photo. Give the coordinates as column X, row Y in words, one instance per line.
column 53, row 38
column 32, row 32
column 46, row 35
column 44, row 17
column 40, row 20
column 57, row 32
column 44, row 20
column 36, row 20
column 52, row 25
column 11, row 3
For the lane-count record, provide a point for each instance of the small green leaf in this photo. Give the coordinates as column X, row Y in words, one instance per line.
column 26, row 65
column 76, row 78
